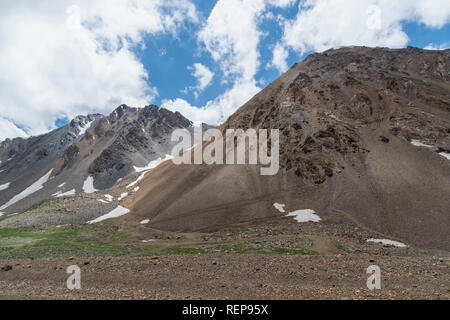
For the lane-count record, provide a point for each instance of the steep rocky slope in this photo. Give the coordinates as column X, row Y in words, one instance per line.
column 90, row 153
column 365, row 136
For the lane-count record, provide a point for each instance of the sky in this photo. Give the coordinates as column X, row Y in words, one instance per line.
column 204, row 58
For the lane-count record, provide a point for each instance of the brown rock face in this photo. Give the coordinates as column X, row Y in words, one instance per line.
column 321, row 103
column 346, row 118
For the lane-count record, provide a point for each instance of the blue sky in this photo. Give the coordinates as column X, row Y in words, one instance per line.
column 203, row 58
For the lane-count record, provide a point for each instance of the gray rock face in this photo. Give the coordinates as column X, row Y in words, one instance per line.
column 104, row 147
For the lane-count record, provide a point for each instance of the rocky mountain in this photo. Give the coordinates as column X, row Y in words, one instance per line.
column 90, row 153
column 365, row 137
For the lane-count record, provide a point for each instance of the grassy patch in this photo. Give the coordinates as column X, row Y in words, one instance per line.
column 104, row 239
column 350, row 250
column 343, row 248
column 90, row 240
column 169, row 251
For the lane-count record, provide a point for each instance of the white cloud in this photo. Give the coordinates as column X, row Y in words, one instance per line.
column 443, row 46
column 282, row 3
column 280, row 55
column 208, row 114
column 8, row 129
column 204, row 77
column 58, row 63
column 323, row 24
column 231, row 36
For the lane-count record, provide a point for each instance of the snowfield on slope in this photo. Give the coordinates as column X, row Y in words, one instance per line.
column 153, row 164
column 279, row 207
column 38, row 185
column 84, row 128
column 388, row 242
column 117, row 212
column 417, row 143
column 60, row 194
column 88, row 185
column 445, row 155
column 4, row 186
column 306, row 215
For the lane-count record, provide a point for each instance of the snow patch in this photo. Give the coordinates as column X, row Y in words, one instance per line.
column 38, row 185
column 279, row 207
column 123, row 196
column 109, row 197
column 88, row 185
column 61, row 185
column 4, row 186
column 59, row 194
column 117, row 212
column 388, row 242
column 102, row 201
column 445, row 155
column 84, row 128
column 304, row 215
column 136, row 189
column 137, row 180
column 417, row 143
column 145, row 221
column 153, row 164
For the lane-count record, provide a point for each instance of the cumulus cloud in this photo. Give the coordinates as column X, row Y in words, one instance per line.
column 323, row 24
column 206, row 114
column 9, row 129
column 443, row 46
column 231, row 36
column 69, row 57
column 280, row 55
column 282, row 3
column 204, row 77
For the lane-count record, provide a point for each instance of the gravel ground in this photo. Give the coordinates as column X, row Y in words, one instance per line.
column 73, row 210
column 228, row 276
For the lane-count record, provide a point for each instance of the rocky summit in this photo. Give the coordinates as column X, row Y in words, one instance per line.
column 104, row 148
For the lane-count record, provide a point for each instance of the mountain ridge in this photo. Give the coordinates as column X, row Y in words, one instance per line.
column 350, row 121
column 104, row 147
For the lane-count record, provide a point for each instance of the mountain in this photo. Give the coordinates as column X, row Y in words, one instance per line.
column 90, row 153
column 364, row 137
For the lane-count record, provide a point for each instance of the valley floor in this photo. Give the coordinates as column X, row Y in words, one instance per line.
column 279, row 259
column 228, row 276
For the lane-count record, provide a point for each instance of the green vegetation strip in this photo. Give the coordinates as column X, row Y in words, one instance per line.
column 103, row 239
column 86, row 241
